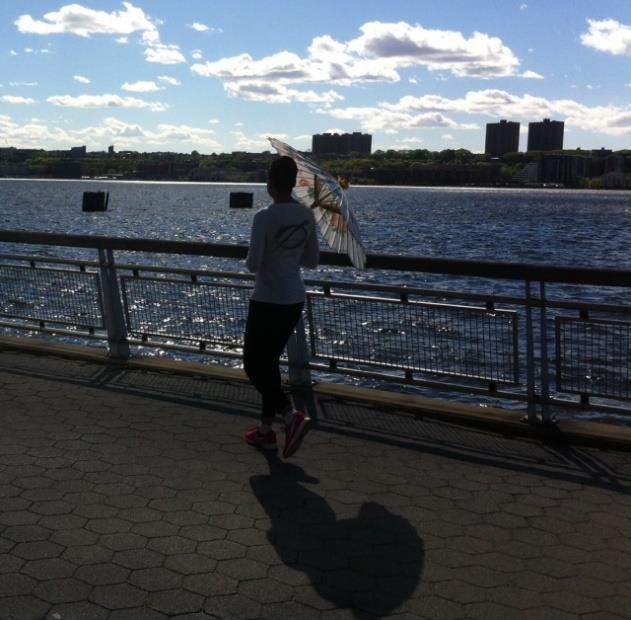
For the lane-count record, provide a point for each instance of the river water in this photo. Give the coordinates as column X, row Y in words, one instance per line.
column 543, row 226
column 557, row 227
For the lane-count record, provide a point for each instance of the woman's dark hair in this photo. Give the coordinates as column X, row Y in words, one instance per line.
column 282, row 174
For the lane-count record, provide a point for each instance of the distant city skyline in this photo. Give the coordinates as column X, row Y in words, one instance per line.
column 220, row 77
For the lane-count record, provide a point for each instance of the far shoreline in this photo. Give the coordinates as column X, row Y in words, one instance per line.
column 492, row 188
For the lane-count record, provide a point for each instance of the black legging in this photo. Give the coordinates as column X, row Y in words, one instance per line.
column 266, row 333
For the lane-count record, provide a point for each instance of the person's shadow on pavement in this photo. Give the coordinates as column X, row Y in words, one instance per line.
column 369, row 563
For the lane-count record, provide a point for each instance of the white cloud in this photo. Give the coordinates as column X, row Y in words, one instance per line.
column 29, row 50
column 479, row 55
column 110, row 131
column 13, row 53
column 17, row 100
column 523, row 6
column 414, row 141
column 430, row 110
column 204, row 28
column 375, row 56
column 196, row 54
column 608, row 35
column 81, row 79
column 214, row 121
column 270, row 92
column 164, row 54
column 171, row 81
column 104, row 101
column 122, row 40
column 22, row 83
column 256, row 142
column 141, row 87
column 448, row 137
column 82, row 21
column 376, row 119
column 532, row 75
column 238, row 124
column 45, row 50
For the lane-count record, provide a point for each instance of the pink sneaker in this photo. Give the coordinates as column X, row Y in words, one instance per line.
column 265, row 441
column 295, row 432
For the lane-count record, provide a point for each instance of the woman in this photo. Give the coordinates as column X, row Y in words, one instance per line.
column 283, row 239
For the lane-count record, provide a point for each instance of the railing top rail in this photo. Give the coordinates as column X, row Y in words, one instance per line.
column 461, row 267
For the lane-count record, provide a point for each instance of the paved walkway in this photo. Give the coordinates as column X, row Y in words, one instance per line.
column 131, row 495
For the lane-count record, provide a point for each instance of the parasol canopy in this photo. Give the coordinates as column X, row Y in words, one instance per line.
column 320, row 191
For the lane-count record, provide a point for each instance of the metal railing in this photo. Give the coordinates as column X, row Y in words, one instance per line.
column 527, row 333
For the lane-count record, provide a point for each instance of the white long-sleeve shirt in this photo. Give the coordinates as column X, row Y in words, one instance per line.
column 283, row 239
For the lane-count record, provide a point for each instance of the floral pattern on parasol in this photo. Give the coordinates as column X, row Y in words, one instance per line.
column 322, row 192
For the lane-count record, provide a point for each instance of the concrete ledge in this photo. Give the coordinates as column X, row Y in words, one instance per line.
column 101, row 356
column 566, row 431
column 505, row 420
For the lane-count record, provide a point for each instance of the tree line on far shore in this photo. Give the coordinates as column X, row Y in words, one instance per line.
column 389, row 167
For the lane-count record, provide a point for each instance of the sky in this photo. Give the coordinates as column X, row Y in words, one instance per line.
column 220, row 76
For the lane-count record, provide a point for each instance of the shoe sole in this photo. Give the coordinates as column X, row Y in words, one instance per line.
column 299, row 435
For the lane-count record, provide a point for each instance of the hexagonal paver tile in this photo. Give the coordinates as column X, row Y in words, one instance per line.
column 37, row 550
column 108, row 526
column 190, row 563
column 235, row 606
column 185, row 517
column 242, row 568
column 138, row 558
column 26, row 533
column 266, row 590
column 171, row 545
column 10, row 563
column 82, row 610
column 102, row 574
column 51, row 568
column 51, row 508
column 222, row 549
column 119, row 596
column 176, row 601
column 155, row 579
column 24, row 608
column 211, row 584
column 137, row 614
column 62, row 590
column 74, row 537
column 15, row 585
column 18, row 517
column 87, row 554
column 62, row 522
column 202, row 533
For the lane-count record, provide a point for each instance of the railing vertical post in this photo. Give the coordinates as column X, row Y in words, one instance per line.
column 298, row 356
column 545, row 379
column 530, row 359
column 114, row 316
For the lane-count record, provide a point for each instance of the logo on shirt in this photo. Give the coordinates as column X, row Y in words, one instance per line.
column 291, row 237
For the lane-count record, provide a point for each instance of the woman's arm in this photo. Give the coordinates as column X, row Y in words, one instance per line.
column 257, row 244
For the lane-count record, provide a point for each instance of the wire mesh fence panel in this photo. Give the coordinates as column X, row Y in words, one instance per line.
column 50, row 295
column 432, row 338
column 594, row 357
column 191, row 311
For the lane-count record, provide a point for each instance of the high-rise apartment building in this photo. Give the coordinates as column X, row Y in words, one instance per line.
column 341, row 144
column 545, row 136
column 501, row 138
